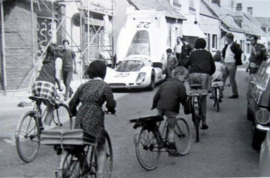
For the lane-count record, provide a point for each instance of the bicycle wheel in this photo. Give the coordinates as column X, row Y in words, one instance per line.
column 70, row 167
column 147, row 149
column 28, row 137
column 63, row 118
column 182, row 136
column 108, row 169
column 217, row 98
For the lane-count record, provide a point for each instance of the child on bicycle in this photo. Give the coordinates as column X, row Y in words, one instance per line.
column 44, row 86
column 167, row 101
column 90, row 116
column 219, row 73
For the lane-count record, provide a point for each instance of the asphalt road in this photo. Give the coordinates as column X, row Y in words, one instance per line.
column 224, row 150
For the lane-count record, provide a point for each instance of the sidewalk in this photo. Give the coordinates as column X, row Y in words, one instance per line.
column 10, row 101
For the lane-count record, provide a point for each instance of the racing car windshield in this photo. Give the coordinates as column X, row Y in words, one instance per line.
column 140, row 44
column 130, row 66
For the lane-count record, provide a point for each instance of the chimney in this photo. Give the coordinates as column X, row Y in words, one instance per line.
column 239, row 7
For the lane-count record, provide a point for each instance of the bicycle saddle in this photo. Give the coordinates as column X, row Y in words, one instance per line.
column 34, row 98
column 155, row 118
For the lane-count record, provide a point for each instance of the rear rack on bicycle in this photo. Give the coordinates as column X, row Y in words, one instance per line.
column 217, row 84
column 197, row 92
column 67, row 137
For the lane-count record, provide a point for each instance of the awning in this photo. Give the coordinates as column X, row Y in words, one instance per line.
column 193, row 30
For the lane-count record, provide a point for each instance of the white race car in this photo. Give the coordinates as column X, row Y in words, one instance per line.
column 135, row 71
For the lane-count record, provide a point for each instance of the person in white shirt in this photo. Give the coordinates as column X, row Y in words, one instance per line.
column 177, row 49
column 232, row 58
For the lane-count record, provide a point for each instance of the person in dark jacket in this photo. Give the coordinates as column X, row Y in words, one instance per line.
column 69, row 66
column 201, row 66
column 167, row 100
column 231, row 54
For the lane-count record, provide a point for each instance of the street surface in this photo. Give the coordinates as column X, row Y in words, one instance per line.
column 223, row 151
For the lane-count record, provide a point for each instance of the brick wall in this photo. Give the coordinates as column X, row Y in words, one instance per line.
column 19, row 62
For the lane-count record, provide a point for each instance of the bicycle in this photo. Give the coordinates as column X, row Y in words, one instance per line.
column 216, row 86
column 152, row 138
column 196, row 93
column 77, row 151
column 30, row 126
column 80, row 160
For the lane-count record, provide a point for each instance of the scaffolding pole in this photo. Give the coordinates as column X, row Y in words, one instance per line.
column 33, row 37
column 4, row 75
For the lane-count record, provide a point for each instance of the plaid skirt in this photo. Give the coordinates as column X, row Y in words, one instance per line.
column 44, row 90
column 200, row 78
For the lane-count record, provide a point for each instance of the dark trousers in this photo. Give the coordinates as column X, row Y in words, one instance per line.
column 67, row 76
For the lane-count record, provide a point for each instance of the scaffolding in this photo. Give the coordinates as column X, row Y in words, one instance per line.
column 90, row 33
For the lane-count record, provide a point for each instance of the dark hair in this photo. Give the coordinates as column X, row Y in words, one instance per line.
column 65, row 41
column 169, row 50
column 97, row 68
column 180, row 70
column 230, row 35
column 50, row 53
column 200, row 43
column 255, row 37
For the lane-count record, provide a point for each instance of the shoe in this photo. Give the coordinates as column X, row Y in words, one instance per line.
column 233, row 97
column 220, row 100
column 70, row 93
column 204, row 127
column 211, row 97
column 173, row 153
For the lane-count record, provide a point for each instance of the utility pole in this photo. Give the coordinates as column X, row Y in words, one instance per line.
column 4, row 76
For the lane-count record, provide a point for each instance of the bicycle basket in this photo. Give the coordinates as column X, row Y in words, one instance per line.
column 67, row 137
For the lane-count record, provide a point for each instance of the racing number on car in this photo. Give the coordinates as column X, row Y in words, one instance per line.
column 143, row 24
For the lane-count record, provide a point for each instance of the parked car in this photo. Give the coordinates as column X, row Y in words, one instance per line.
column 265, row 157
column 258, row 103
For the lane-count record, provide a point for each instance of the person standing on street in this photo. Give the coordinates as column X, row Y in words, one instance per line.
column 172, row 62
column 185, row 51
column 177, row 50
column 231, row 54
column 69, row 66
column 256, row 56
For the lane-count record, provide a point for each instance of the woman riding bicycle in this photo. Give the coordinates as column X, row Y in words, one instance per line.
column 44, row 86
column 201, row 66
column 90, row 116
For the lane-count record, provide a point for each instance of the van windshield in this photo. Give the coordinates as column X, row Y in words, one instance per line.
column 140, row 44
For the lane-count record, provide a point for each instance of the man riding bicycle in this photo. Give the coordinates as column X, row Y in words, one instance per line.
column 167, row 101
column 201, row 66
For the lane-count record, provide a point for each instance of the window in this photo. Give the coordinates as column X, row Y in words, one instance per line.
column 140, row 44
column 176, row 3
column 214, row 41
column 191, row 5
column 130, row 66
column 250, row 10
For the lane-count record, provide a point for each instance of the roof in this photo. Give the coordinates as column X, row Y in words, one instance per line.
column 225, row 17
column 205, row 10
column 265, row 21
column 228, row 18
column 252, row 25
column 159, row 5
